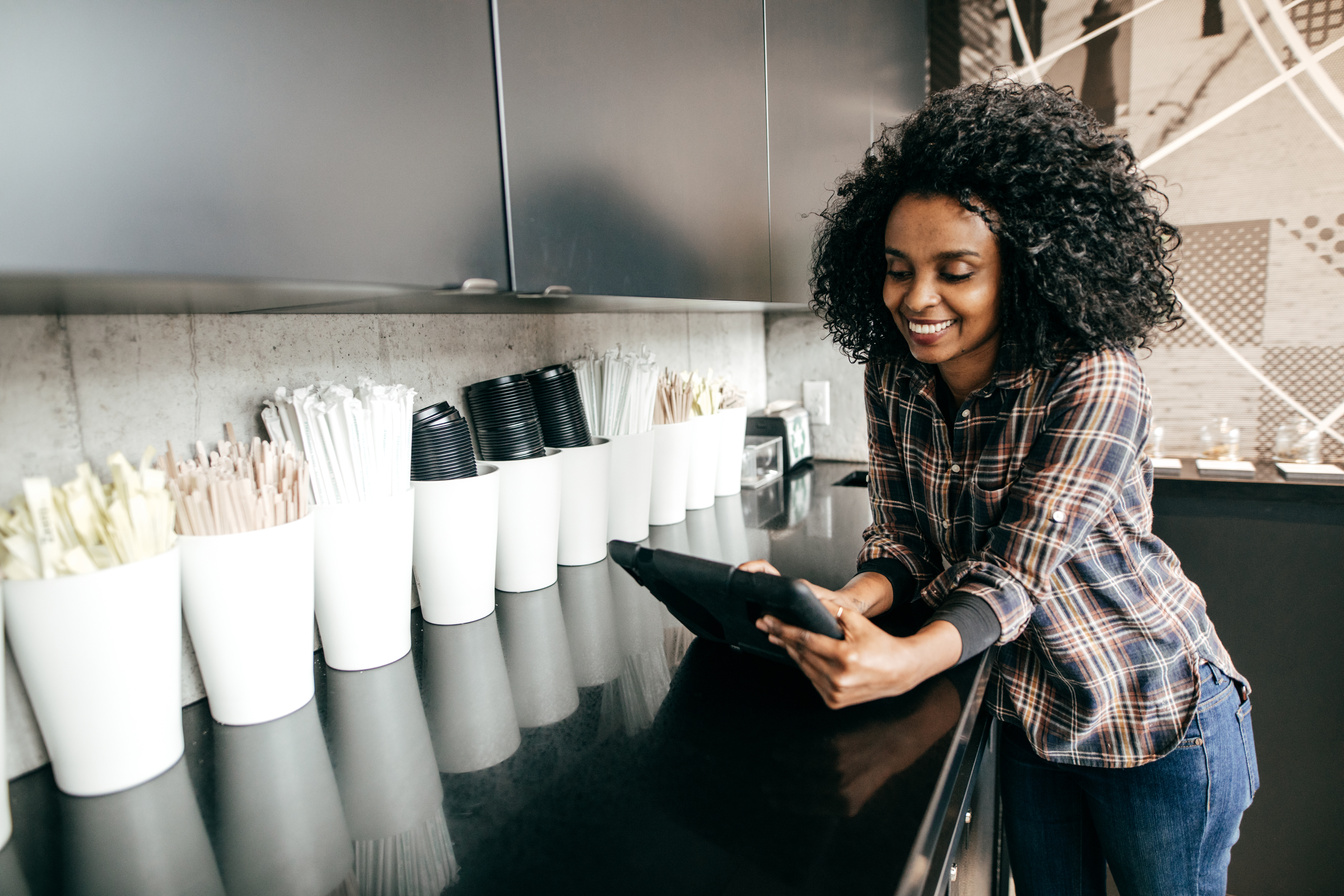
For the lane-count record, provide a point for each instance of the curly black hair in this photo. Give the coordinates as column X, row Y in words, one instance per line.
column 1087, row 258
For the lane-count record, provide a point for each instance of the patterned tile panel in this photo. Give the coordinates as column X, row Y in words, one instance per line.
column 1312, row 375
column 1318, row 20
column 1306, row 280
column 1222, row 271
column 1321, row 236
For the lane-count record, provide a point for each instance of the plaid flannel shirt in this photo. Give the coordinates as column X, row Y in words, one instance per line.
column 1037, row 499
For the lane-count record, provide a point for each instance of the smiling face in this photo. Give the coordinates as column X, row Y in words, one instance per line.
column 942, row 288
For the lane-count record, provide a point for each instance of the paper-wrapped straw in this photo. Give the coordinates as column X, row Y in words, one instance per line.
column 357, row 442
column 618, row 391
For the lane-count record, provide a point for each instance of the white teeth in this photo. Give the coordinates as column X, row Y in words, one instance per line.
column 928, row 329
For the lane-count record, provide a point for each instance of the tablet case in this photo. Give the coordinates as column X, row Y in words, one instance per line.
column 720, row 602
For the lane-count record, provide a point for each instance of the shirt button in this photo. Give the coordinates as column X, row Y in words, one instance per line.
column 1057, row 516
column 966, row 412
column 956, row 468
column 947, row 524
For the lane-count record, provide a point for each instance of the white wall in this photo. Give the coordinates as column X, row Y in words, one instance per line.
column 79, row 388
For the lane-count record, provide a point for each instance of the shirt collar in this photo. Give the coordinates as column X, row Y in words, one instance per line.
column 1010, row 373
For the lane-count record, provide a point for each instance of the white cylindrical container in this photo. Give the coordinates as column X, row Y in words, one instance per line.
column 671, row 466
column 703, row 466
column 149, row 839
column 732, row 438
column 630, row 486
column 248, row 602
column 590, row 623
column 278, row 813
column 101, row 658
column 456, row 530
column 527, row 551
column 362, row 580
column 584, row 474
column 468, row 701
column 536, row 652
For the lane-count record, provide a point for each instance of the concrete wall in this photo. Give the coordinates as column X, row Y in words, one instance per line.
column 797, row 349
column 77, row 388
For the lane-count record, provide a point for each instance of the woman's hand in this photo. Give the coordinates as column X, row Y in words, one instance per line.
column 868, row 593
column 838, row 598
column 868, row 663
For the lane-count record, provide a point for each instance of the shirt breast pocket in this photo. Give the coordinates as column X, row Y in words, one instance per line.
column 986, row 510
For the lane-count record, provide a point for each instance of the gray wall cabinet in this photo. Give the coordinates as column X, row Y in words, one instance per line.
column 306, row 140
column 340, row 155
column 679, row 149
column 838, row 71
column 635, row 146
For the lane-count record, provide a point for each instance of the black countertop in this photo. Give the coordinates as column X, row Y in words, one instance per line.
column 577, row 740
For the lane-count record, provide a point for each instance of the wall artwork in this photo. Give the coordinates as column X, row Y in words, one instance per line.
column 1236, row 109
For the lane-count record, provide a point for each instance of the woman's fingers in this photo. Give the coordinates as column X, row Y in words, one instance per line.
column 862, row 666
column 793, row 638
column 759, row 566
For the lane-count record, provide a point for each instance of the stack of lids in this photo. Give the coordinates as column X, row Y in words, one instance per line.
column 560, row 407
column 504, row 419
column 440, row 444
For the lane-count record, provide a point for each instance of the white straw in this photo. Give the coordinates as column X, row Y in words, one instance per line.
column 358, row 442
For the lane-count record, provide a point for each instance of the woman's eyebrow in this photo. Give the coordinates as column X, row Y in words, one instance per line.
column 940, row 256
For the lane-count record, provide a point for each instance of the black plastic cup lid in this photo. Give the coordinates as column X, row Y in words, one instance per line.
column 518, row 446
column 442, row 428
column 531, row 439
column 545, row 373
column 439, row 476
column 432, row 412
column 512, row 408
column 513, row 455
column 498, row 382
column 450, row 431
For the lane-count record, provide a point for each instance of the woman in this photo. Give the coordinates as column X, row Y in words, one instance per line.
column 994, row 262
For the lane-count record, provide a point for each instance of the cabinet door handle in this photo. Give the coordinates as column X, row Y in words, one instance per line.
column 480, row 284
column 557, row 291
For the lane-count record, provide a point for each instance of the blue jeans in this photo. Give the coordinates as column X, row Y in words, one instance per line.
column 1165, row 828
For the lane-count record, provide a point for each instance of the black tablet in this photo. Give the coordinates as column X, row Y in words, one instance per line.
column 721, row 602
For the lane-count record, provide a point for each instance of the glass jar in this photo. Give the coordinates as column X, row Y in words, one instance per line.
column 1297, row 442
column 1220, row 440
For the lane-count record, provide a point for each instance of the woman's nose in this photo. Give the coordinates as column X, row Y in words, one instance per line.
column 923, row 294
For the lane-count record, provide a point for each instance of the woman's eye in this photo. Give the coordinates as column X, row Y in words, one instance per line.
column 898, row 275
column 955, row 278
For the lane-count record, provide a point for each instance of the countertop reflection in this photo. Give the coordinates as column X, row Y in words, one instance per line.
column 576, row 740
